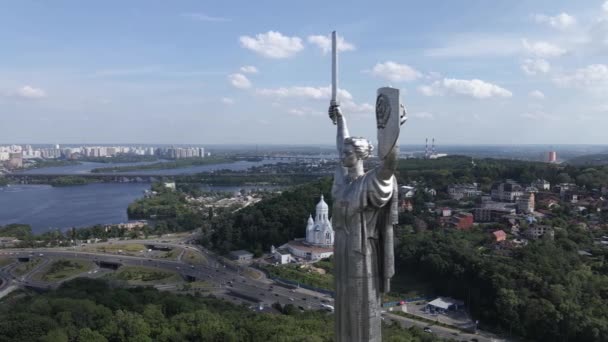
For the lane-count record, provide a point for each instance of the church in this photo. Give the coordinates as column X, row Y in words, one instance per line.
column 318, row 243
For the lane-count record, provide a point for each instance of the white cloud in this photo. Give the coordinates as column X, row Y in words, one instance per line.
column 475, row 88
column 227, row 100
column 203, row 17
column 395, row 72
column 28, row 92
column 423, row 115
column 239, row 81
column 537, row 94
column 535, row 66
column 561, row 21
column 272, row 44
column 324, row 43
column 430, row 90
column 590, row 76
column 249, row 69
column 543, row 49
column 605, row 6
column 316, row 93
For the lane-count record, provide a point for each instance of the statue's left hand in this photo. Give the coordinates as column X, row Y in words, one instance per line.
column 402, row 115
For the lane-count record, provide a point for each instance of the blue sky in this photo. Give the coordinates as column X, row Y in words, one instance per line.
column 207, row 72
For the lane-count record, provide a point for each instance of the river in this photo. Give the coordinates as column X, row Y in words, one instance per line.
column 45, row 207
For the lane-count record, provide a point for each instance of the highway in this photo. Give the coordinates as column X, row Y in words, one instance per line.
column 222, row 280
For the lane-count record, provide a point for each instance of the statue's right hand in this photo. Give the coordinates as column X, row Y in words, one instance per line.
column 334, row 112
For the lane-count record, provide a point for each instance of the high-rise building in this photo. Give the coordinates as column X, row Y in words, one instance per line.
column 552, row 157
column 15, row 160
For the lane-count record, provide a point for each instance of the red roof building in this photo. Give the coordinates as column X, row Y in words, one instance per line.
column 499, row 235
column 462, row 221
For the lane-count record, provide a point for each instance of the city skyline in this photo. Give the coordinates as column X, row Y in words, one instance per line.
column 154, row 73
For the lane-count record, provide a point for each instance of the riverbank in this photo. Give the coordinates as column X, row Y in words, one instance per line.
column 177, row 164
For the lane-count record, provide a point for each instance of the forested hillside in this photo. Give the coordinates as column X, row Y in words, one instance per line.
column 87, row 310
column 544, row 291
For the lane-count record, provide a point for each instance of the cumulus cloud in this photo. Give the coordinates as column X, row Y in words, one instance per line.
column 324, row 43
column 272, row 44
column 227, row 100
column 561, row 21
column 395, row 72
column 347, row 102
column 474, row 88
column 537, row 94
column 203, row 17
column 316, row 93
column 249, row 69
column 239, row 81
column 29, row 92
column 543, row 49
column 605, row 6
column 535, row 66
column 430, row 90
column 590, row 76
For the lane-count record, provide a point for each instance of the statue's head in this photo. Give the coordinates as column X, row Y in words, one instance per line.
column 355, row 149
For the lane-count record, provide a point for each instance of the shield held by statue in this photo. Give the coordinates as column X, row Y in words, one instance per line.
column 388, row 112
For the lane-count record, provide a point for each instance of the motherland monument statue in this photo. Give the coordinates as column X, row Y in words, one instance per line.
column 363, row 214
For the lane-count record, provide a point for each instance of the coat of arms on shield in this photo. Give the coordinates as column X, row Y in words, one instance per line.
column 388, row 119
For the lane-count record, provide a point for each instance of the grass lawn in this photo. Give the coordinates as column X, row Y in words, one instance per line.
column 302, row 275
column 252, row 273
column 25, row 267
column 145, row 275
column 172, row 254
column 64, row 268
column 6, row 261
column 194, row 258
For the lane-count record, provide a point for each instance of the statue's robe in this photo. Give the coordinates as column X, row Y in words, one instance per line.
column 364, row 212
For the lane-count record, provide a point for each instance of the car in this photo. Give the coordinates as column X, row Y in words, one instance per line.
column 291, row 299
column 191, row 266
column 303, row 298
column 41, row 254
column 427, row 330
column 276, row 294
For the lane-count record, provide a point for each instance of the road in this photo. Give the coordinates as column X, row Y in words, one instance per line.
column 223, row 282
